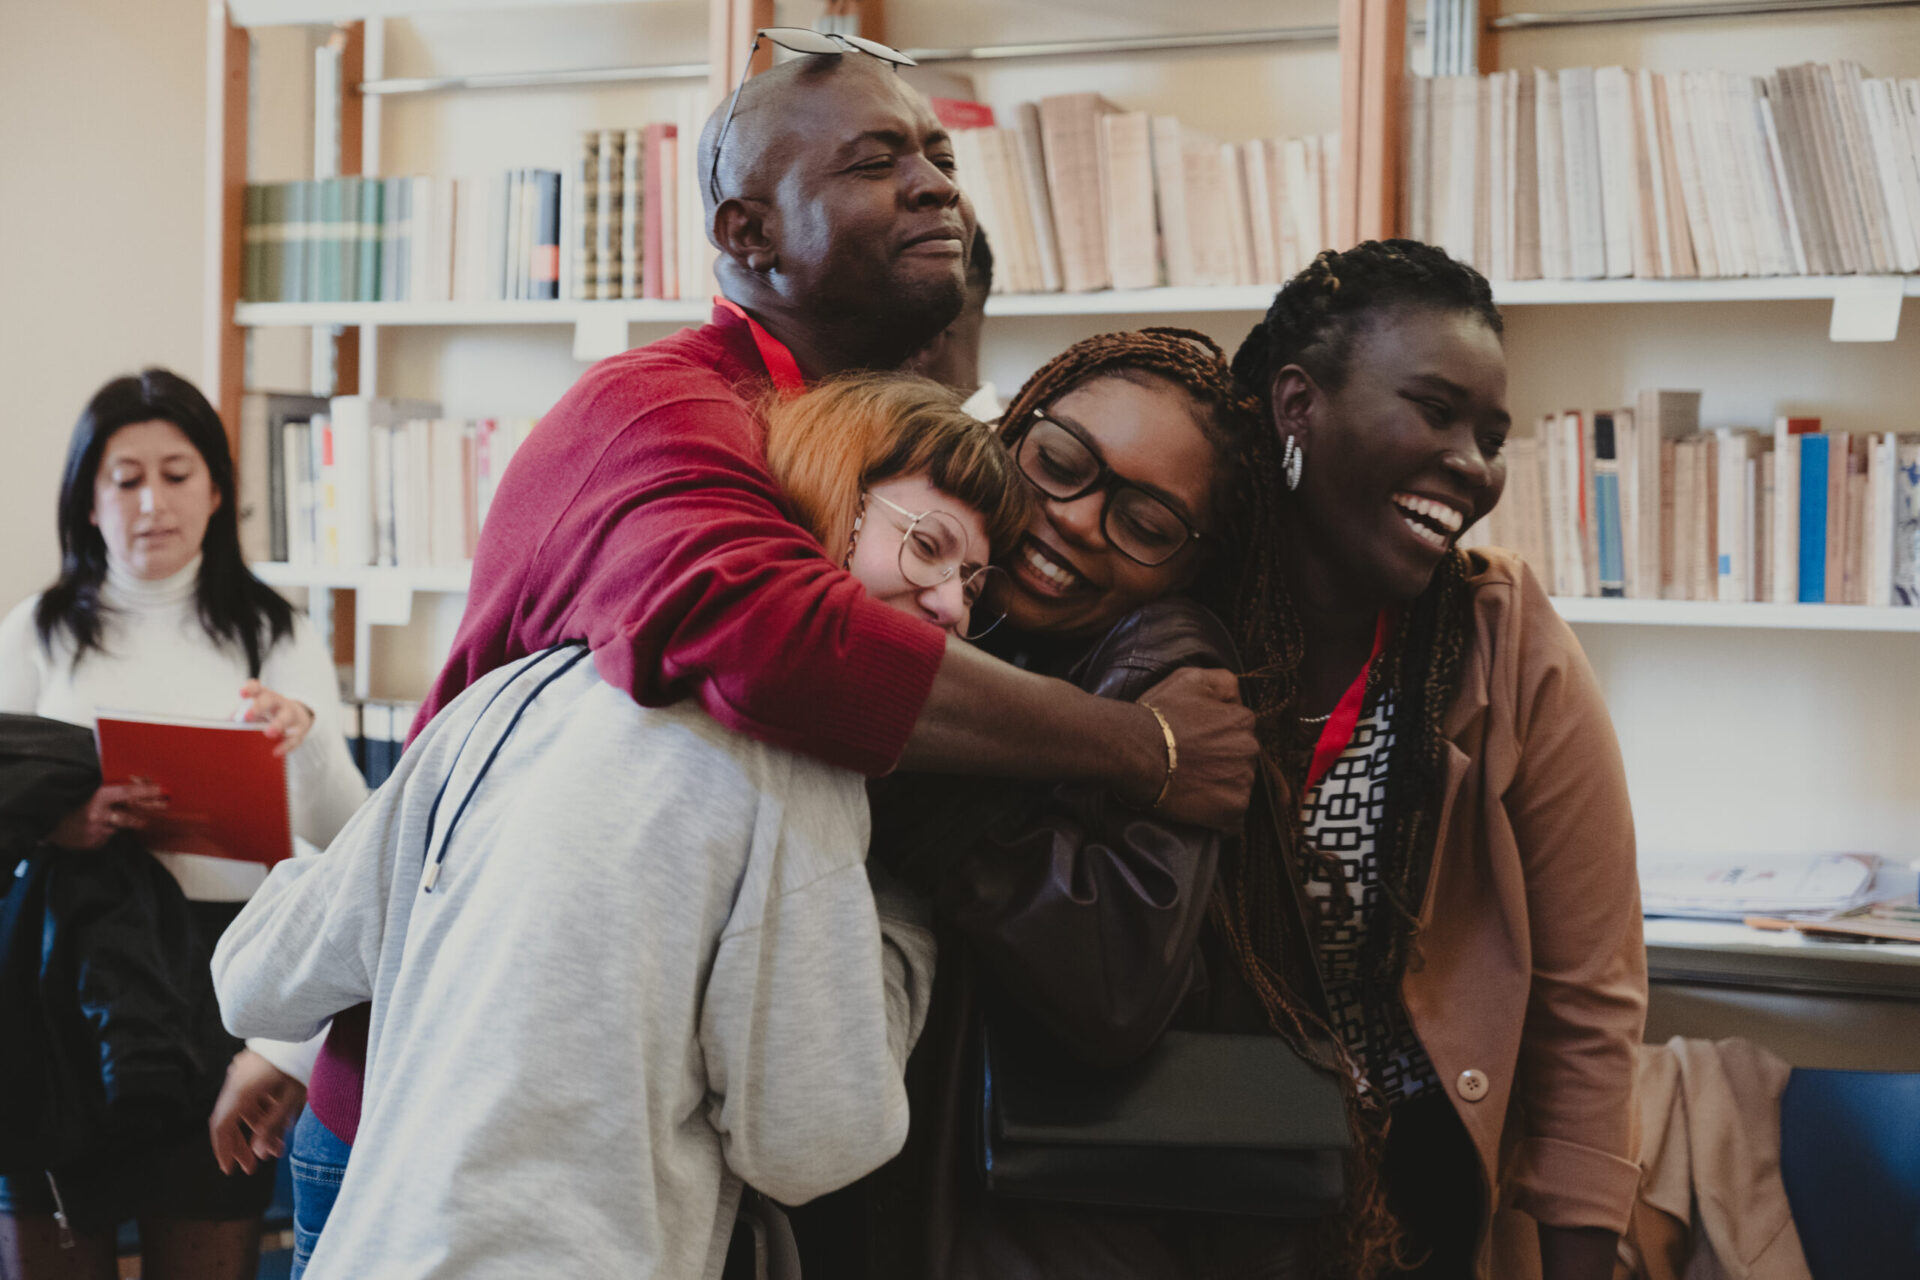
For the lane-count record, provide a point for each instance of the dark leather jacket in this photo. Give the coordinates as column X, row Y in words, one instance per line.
column 109, row 1031
column 1087, row 916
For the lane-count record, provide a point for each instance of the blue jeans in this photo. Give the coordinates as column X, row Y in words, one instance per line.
column 319, row 1161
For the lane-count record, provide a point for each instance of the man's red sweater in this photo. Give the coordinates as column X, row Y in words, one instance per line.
column 640, row 516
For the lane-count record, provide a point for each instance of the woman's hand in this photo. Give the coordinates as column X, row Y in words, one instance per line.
column 1577, row 1253
column 120, row 806
column 287, row 721
column 250, row 1118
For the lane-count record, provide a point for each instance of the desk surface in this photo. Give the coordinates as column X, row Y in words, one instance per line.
column 1720, row 953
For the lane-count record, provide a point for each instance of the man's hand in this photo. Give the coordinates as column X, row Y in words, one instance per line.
column 122, row 806
column 1214, row 735
column 250, row 1118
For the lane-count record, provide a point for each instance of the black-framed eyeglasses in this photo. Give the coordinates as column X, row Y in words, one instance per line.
column 1064, row 465
column 796, row 40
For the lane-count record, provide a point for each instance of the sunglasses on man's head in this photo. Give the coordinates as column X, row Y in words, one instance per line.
column 796, row 40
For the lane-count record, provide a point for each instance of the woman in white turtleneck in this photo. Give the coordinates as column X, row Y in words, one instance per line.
column 154, row 611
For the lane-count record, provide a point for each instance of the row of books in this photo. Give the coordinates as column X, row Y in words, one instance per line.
column 359, row 480
column 377, row 734
column 1592, row 172
column 1641, row 502
column 1081, row 196
column 619, row 219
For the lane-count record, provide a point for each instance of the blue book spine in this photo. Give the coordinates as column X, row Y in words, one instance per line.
column 1813, row 519
column 1613, row 559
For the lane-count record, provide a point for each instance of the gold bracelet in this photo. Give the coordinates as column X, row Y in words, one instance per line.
column 1173, row 754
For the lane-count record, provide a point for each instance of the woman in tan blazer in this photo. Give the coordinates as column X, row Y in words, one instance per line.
column 1458, row 810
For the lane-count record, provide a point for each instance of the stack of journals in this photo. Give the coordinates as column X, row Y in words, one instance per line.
column 1599, row 172
column 363, row 481
column 1081, row 196
column 1732, row 887
column 1641, row 502
column 620, row 218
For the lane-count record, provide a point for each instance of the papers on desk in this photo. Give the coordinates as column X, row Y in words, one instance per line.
column 1897, row 921
column 1780, row 886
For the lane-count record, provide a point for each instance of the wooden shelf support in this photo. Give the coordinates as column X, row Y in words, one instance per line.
column 226, row 189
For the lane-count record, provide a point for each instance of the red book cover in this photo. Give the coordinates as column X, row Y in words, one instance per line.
column 653, row 246
column 959, row 113
column 227, row 794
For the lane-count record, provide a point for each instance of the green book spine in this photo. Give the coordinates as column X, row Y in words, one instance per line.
column 295, row 242
column 273, row 246
column 319, row 240
column 254, row 229
column 336, row 239
column 342, row 238
column 349, row 239
column 370, row 193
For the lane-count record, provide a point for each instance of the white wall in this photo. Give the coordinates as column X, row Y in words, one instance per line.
column 101, row 110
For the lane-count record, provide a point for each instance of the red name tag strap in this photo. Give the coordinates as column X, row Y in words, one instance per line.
column 1338, row 730
column 781, row 366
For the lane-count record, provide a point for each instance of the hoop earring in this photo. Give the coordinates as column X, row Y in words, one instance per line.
column 1293, row 460
column 853, row 539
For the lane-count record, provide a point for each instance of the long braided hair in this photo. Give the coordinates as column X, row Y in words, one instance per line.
column 1313, row 324
column 1237, row 582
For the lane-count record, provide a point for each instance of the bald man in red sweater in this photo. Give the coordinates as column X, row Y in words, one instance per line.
column 641, row 515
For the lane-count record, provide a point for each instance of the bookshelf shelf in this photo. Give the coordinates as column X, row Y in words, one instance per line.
column 451, row 579
column 1251, row 299
column 1521, row 293
column 275, row 13
column 1707, row 613
column 260, row 315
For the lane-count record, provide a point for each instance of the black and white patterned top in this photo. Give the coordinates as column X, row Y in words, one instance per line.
column 1342, row 870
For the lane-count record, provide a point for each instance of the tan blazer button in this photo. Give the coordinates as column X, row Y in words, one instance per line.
column 1472, row 1085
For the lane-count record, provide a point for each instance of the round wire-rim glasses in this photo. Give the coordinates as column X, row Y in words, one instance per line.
column 1063, row 465
column 931, row 546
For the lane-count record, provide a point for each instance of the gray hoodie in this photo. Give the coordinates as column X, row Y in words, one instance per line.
column 649, row 966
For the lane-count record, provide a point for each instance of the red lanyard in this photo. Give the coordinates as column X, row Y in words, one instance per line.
column 781, row 366
column 1338, row 730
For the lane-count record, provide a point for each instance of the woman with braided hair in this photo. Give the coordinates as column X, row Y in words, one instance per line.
column 1454, row 792
column 1063, row 906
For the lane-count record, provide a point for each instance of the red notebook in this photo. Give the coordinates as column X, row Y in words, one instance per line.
column 228, row 795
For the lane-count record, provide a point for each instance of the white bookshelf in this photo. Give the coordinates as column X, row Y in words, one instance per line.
column 279, row 13
column 444, row 580
column 453, row 580
column 1769, row 727
column 1134, row 302
column 262, row 315
column 1707, row 613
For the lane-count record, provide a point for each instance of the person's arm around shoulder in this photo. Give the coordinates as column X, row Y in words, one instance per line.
column 1574, row 826
column 1085, row 909
column 699, row 579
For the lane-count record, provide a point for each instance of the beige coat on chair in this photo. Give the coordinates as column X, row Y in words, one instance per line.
column 1711, row 1202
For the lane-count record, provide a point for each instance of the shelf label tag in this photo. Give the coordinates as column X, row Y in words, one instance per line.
column 1867, row 309
column 598, row 333
column 385, row 600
